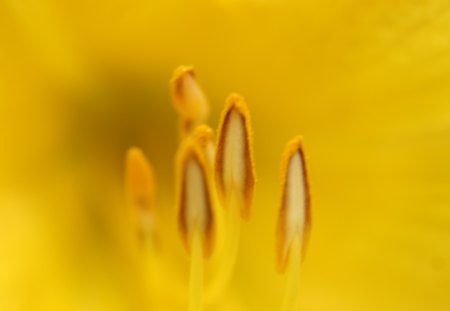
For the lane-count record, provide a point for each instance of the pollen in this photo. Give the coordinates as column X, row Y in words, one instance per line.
column 234, row 169
column 294, row 214
column 195, row 214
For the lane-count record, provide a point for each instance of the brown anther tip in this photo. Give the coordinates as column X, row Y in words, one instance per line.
column 294, row 214
column 234, row 168
column 194, row 197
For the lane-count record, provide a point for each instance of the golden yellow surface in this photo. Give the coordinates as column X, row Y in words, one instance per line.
column 367, row 83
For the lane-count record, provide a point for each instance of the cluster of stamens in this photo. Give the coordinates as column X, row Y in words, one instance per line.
column 206, row 166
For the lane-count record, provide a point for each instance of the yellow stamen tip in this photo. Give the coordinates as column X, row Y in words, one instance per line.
column 188, row 96
column 204, row 136
column 234, row 167
column 294, row 215
column 194, row 196
column 140, row 187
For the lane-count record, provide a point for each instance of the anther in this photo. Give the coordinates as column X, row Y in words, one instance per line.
column 195, row 213
column 294, row 220
column 188, row 98
column 140, row 190
column 234, row 170
column 204, row 136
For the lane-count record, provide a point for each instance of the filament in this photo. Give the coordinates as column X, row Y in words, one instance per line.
column 230, row 249
column 196, row 274
column 290, row 299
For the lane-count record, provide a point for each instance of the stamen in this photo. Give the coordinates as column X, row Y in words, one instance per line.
column 140, row 190
column 294, row 220
column 235, row 179
column 195, row 215
column 188, row 98
column 294, row 215
column 194, row 196
column 235, row 175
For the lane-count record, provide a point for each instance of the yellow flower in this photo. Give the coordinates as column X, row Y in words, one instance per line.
column 366, row 84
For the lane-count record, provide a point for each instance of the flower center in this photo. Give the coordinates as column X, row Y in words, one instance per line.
column 230, row 159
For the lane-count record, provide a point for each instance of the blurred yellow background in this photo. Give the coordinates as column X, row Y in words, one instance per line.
column 366, row 82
